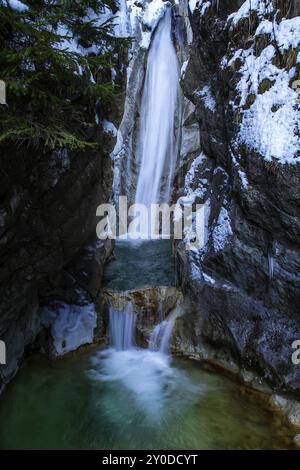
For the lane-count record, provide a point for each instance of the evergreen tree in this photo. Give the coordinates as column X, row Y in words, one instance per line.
column 55, row 58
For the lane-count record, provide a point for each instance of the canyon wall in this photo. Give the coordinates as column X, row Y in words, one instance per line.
column 244, row 284
column 51, row 262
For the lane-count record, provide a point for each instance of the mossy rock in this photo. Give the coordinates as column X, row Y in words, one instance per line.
column 261, row 42
column 275, row 108
column 265, row 85
column 286, row 60
column 249, row 101
column 294, row 81
column 290, row 58
column 236, row 64
column 238, row 117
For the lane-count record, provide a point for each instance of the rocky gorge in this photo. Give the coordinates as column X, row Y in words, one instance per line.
column 236, row 127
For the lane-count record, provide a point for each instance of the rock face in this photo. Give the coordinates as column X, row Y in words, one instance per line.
column 244, row 285
column 49, row 251
column 48, row 216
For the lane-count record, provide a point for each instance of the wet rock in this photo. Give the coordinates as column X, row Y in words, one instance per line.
column 47, row 227
column 289, row 407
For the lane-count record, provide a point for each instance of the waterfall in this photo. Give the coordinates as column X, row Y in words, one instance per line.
column 161, row 335
column 157, row 144
column 121, row 328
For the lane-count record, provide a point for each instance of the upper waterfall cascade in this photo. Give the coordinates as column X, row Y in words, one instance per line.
column 157, row 142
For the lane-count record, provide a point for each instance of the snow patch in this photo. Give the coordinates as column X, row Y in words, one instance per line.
column 260, row 6
column 138, row 20
column 192, row 5
column 204, row 6
column 222, row 230
column 71, row 326
column 183, row 69
column 207, row 98
column 195, row 273
column 209, row 279
column 109, row 127
column 271, row 123
column 242, row 175
column 190, row 178
column 155, row 10
column 286, row 33
column 243, row 179
column 17, row 5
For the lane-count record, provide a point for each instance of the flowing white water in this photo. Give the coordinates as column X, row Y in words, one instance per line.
column 147, row 374
column 161, row 335
column 157, row 143
column 121, row 328
column 148, row 378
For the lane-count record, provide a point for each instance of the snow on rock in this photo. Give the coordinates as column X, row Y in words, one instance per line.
column 209, row 279
column 254, row 70
column 204, row 5
column 71, row 326
column 121, row 21
column 222, row 230
column 109, row 127
column 17, row 5
column 139, row 19
column 207, row 97
column 242, row 175
column 271, row 123
column 190, row 179
column 196, row 187
column 243, row 179
column 262, row 7
column 286, row 33
column 153, row 13
column 183, row 69
column 192, row 4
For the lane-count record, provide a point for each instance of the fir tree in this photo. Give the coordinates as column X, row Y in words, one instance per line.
column 55, row 56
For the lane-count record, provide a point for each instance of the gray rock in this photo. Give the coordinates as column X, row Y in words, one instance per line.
column 244, row 291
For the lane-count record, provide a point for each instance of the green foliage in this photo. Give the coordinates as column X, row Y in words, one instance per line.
column 53, row 75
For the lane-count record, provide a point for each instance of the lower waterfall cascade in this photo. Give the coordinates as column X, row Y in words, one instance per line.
column 121, row 328
column 161, row 336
